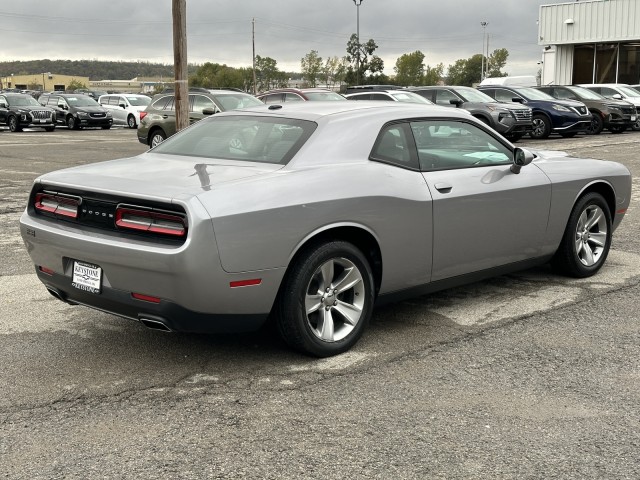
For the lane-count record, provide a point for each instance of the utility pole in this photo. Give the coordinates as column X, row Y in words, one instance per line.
column 179, row 10
column 484, row 27
column 486, row 74
column 357, row 4
column 253, row 43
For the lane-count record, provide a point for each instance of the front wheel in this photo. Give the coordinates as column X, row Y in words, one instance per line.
column 617, row 128
column 326, row 299
column 514, row 137
column 106, row 127
column 14, row 124
column 636, row 125
column 49, row 129
column 72, row 123
column 587, row 238
column 541, row 127
column 596, row 125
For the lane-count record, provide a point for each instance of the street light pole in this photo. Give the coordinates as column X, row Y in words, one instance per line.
column 357, row 4
column 484, row 29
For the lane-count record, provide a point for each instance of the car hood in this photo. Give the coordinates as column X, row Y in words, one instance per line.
column 565, row 103
column 30, row 108
column 91, row 109
column 157, row 176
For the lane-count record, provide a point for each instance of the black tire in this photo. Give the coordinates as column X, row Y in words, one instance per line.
column 617, row 128
column 541, row 126
column 49, row 129
column 568, row 134
column 587, row 238
column 106, row 127
column 72, row 123
column 636, row 126
column 14, row 124
column 597, row 124
column 156, row 137
column 311, row 309
column 131, row 122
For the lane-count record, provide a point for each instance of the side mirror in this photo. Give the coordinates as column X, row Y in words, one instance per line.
column 517, row 100
column 4, row 105
column 455, row 102
column 521, row 157
column 208, row 111
column 122, row 105
column 616, row 96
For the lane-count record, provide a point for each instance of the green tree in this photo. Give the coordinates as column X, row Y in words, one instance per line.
column 333, row 71
column 267, row 74
column 433, row 75
column 371, row 66
column 410, row 68
column 465, row 71
column 311, row 66
column 496, row 62
column 76, row 85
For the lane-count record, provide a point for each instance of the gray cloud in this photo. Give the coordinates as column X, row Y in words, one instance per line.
column 220, row 31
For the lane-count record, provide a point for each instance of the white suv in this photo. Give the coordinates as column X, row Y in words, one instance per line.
column 125, row 107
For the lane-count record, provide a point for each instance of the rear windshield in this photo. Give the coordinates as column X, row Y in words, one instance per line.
column 324, row 96
column 247, row 138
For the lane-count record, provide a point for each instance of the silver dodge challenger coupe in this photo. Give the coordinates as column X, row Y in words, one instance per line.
column 312, row 213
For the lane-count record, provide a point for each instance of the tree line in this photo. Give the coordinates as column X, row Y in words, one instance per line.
column 359, row 65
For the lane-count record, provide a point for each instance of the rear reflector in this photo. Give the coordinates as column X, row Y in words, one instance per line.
column 151, row 221
column 63, row 205
column 245, row 283
column 145, row 298
column 46, row 270
column 622, row 210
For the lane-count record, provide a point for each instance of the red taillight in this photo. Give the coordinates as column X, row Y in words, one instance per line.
column 65, row 206
column 145, row 298
column 151, row 221
column 46, row 270
column 142, row 115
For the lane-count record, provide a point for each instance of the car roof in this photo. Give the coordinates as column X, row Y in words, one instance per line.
column 313, row 111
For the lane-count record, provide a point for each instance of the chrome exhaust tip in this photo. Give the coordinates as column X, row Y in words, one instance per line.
column 154, row 324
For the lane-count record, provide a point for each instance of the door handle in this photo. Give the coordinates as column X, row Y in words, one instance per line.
column 443, row 187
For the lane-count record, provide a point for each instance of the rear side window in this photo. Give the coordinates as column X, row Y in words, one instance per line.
column 164, row 103
column 393, row 145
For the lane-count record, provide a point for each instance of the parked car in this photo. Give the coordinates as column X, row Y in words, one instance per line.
column 125, row 107
column 360, row 88
column 513, row 120
column 19, row 110
column 615, row 115
column 565, row 117
column 619, row 91
column 282, row 95
column 394, row 95
column 158, row 120
column 77, row 111
column 332, row 207
column 95, row 94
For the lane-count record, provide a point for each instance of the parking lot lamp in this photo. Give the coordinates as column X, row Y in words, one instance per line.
column 357, row 4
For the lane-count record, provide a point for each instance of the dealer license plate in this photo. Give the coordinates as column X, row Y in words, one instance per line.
column 633, row 118
column 43, row 120
column 86, row 277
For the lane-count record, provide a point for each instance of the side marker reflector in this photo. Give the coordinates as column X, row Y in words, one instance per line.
column 245, row 283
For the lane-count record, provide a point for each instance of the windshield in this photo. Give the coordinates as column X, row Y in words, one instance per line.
column 81, row 101
column 324, row 96
column 409, row 97
column 473, row 95
column 247, row 138
column 585, row 93
column 232, row 101
column 533, row 94
column 26, row 101
column 139, row 101
column 629, row 92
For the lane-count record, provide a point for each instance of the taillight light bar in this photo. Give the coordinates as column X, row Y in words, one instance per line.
column 58, row 204
column 142, row 115
column 151, row 221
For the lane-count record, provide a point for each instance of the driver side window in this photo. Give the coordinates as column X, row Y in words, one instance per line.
column 450, row 144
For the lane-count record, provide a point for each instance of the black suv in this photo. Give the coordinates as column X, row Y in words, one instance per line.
column 513, row 120
column 18, row 111
column 158, row 120
column 615, row 115
column 77, row 110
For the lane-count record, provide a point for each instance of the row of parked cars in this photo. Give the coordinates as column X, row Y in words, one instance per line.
column 74, row 110
column 513, row 111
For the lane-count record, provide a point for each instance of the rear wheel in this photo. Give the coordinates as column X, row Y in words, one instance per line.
column 326, row 299
column 157, row 137
column 596, row 125
column 541, row 126
column 131, row 121
column 617, row 128
column 14, row 124
column 587, row 238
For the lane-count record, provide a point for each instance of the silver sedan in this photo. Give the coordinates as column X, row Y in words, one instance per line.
column 313, row 213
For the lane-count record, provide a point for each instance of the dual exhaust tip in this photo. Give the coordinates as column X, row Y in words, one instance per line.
column 152, row 323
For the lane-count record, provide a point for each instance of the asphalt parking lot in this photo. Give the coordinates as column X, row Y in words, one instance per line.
column 523, row 376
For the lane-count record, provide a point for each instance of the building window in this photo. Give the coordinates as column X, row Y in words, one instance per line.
column 606, row 63
column 583, row 63
column 628, row 65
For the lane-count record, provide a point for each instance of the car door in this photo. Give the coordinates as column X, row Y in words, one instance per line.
column 4, row 109
column 197, row 104
column 56, row 102
column 444, row 98
column 484, row 215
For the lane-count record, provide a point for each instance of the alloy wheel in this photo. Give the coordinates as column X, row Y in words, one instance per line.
column 590, row 235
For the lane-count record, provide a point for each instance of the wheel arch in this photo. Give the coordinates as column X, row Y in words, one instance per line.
column 484, row 119
column 152, row 131
column 603, row 188
column 357, row 235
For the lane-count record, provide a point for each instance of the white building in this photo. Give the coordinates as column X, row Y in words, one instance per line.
column 590, row 41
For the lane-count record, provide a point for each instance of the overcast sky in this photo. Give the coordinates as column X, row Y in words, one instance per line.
column 220, row 31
